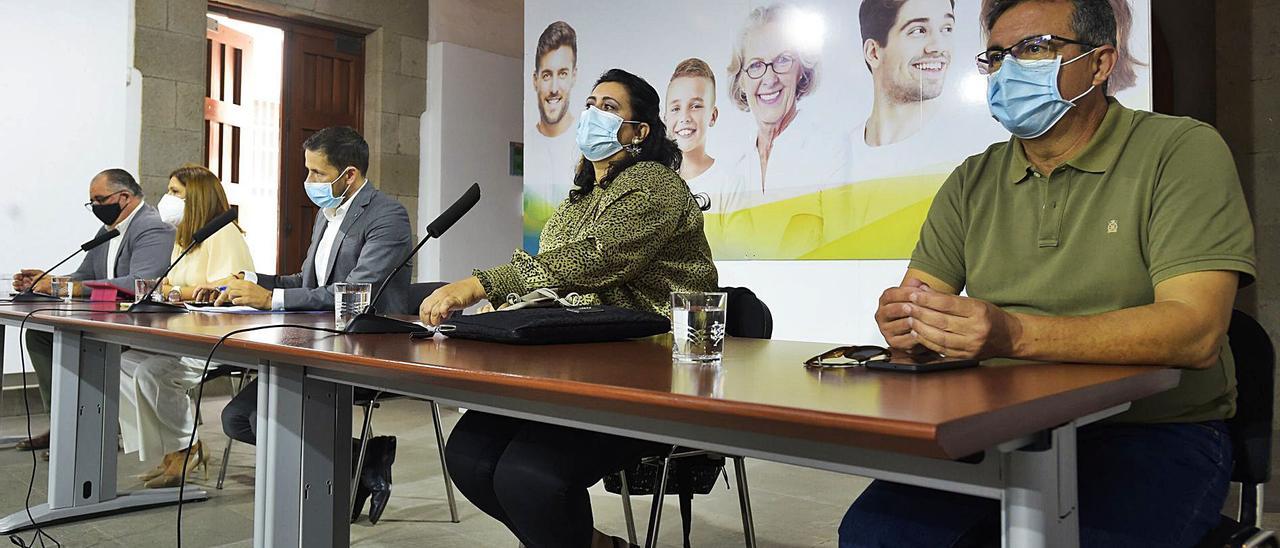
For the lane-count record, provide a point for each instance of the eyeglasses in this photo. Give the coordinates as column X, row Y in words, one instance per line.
column 1031, row 48
column 99, row 200
column 848, row 356
column 781, row 64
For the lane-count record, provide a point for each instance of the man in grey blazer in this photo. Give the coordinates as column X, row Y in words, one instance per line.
column 359, row 235
column 142, row 250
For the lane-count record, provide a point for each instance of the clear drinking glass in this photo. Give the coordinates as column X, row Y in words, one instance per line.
column 61, row 287
column 697, row 325
column 349, row 301
column 142, row 286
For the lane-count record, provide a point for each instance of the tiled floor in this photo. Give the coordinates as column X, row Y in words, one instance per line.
column 794, row 507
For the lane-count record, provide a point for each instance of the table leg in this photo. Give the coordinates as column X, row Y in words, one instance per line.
column 1039, row 507
column 304, row 460
column 6, row 441
column 82, row 452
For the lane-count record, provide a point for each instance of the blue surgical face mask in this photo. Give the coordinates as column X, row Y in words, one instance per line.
column 1024, row 96
column 598, row 134
column 321, row 194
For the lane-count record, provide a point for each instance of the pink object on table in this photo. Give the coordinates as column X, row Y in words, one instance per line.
column 103, row 291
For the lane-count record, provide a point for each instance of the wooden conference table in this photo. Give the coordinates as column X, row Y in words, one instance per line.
column 1021, row 419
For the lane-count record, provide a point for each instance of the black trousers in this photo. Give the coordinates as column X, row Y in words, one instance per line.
column 240, row 416
column 533, row 477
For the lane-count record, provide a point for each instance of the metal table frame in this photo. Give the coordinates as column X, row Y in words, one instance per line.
column 304, row 420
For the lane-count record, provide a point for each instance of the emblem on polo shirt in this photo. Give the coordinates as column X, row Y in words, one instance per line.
column 1112, row 226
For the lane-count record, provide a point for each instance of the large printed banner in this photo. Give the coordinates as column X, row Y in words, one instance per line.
column 819, row 129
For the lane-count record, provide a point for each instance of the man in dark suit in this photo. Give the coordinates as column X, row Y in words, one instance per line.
column 142, row 250
column 360, row 235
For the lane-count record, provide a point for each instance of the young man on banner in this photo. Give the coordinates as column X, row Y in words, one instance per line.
column 551, row 153
column 906, row 45
column 1096, row 234
column 555, row 70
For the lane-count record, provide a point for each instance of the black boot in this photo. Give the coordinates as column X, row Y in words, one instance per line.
column 376, row 476
column 362, row 494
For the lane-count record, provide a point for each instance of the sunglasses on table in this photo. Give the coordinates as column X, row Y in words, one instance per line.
column 848, row 356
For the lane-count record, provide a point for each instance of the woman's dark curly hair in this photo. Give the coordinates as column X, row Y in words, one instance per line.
column 657, row 147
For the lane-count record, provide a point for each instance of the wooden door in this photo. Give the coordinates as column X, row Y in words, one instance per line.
column 323, row 86
column 228, row 53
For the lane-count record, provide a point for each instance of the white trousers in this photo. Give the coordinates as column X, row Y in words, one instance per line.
column 157, row 416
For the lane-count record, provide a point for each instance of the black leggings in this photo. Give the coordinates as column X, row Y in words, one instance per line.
column 533, row 477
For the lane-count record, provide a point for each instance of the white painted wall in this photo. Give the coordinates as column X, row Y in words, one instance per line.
column 69, row 112
column 473, row 113
column 824, row 301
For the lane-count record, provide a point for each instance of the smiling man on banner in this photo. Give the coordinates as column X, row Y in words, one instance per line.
column 906, row 45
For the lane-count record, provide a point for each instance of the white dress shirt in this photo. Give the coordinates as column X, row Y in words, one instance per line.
column 113, row 246
column 333, row 218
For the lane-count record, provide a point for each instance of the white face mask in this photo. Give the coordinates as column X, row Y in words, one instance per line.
column 171, row 208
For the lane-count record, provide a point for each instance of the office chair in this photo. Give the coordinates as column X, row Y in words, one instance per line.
column 748, row 317
column 369, row 400
column 240, row 376
column 1250, row 430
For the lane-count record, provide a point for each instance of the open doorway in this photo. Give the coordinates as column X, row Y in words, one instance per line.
column 244, row 78
column 272, row 82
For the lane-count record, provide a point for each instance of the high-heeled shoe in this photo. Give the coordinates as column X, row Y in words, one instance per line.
column 160, row 468
column 35, row 442
column 376, row 476
column 172, row 476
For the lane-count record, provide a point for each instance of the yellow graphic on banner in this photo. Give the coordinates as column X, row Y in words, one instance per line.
column 876, row 219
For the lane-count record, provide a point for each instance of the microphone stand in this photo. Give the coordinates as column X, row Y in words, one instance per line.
column 150, row 306
column 30, row 295
column 370, row 322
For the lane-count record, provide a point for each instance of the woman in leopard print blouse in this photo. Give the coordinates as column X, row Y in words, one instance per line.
column 628, row 235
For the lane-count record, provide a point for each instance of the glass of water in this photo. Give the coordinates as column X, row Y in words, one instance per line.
column 697, row 324
column 61, row 287
column 142, row 286
column 349, row 301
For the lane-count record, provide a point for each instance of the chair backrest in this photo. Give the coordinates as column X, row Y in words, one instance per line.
column 748, row 315
column 1255, row 359
column 420, row 291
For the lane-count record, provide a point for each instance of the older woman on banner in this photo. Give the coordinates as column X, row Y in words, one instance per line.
column 628, row 235
column 775, row 64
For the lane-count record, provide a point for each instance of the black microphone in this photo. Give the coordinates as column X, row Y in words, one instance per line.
column 369, row 321
column 30, row 296
column 450, row 216
column 101, row 239
column 209, row 228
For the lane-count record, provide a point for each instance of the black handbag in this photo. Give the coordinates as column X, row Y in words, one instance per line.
column 557, row 325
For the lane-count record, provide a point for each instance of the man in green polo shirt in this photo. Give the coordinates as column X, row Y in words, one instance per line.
column 1096, row 234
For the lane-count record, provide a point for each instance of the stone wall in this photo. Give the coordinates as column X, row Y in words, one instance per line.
column 170, row 54
column 169, row 51
column 1248, row 105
